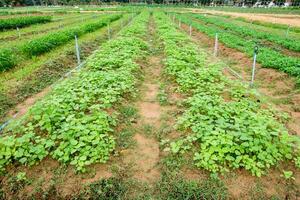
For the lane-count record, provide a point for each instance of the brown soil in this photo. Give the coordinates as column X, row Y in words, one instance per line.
column 277, row 87
column 49, row 172
column 22, row 108
column 71, row 182
column 292, row 20
column 149, row 107
column 145, row 156
column 144, row 159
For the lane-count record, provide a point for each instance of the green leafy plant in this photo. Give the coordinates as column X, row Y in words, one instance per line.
column 9, row 57
column 18, row 182
column 268, row 57
column 162, row 96
column 173, row 186
column 288, row 175
column 297, row 162
column 111, row 189
column 247, row 31
column 73, row 124
column 23, row 21
column 223, row 134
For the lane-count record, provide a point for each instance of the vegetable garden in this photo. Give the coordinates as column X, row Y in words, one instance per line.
column 150, row 113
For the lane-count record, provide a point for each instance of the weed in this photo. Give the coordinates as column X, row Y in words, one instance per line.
column 288, row 175
column 285, row 100
column 173, row 162
column 5, row 104
column 162, row 96
column 257, row 192
column 110, row 189
column 164, row 130
column 173, row 187
column 296, row 108
column 128, row 114
column 125, row 139
column 148, row 129
column 18, row 182
column 2, row 192
column 50, row 193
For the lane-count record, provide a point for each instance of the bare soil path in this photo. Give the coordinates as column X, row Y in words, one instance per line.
column 293, row 20
column 145, row 155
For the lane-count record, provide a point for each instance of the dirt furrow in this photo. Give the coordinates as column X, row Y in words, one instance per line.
column 146, row 154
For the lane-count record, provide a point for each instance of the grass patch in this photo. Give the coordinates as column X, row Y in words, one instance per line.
column 148, row 129
column 125, row 139
column 17, row 183
column 162, row 96
column 174, row 187
column 129, row 114
column 6, row 103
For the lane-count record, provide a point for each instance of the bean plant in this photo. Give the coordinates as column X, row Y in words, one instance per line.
column 267, row 56
column 20, row 22
column 9, row 57
column 245, row 31
column 226, row 126
column 73, row 123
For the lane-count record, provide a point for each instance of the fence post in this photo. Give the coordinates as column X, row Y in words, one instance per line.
column 190, row 30
column 287, row 31
column 19, row 34
column 108, row 31
column 77, row 50
column 179, row 23
column 216, row 45
column 254, row 65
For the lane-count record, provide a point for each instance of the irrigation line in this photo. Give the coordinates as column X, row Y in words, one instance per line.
column 235, row 73
column 77, row 68
column 7, row 122
column 232, row 71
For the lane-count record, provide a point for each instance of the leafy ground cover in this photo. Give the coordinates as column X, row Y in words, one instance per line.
column 246, row 31
column 226, row 126
column 267, row 57
column 73, row 124
column 99, row 114
column 35, row 75
column 9, row 57
column 20, row 22
column 58, row 22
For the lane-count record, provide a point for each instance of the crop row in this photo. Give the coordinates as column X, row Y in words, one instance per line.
column 247, row 31
column 72, row 124
column 20, row 22
column 5, row 12
column 268, row 57
column 227, row 126
column 10, row 57
column 38, row 28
